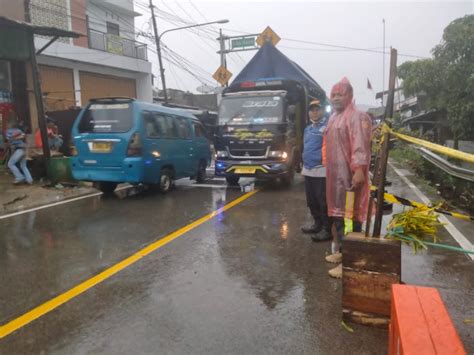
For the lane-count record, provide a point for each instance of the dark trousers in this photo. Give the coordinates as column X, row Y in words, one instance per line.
column 316, row 197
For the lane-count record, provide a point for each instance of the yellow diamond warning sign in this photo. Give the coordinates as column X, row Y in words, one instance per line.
column 222, row 75
column 268, row 35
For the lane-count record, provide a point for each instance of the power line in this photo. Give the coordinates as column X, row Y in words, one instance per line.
column 199, row 11
column 194, row 70
column 350, row 48
column 335, row 46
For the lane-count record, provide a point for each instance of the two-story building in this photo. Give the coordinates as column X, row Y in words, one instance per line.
column 106, row 61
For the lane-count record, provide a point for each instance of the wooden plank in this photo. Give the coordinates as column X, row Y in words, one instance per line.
column 372, row 254
column 413, row 332
column 367, row 291
column 441, row 328
column 369, row 319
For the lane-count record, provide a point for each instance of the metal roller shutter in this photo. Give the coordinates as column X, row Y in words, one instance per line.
column 57, row 85
column 97, row 85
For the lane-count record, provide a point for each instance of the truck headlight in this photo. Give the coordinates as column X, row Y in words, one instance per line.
column 278, row 154
column 222, row 154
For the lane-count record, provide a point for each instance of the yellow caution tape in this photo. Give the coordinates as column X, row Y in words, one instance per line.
column 349, row 212
column 410, row 203
column 450, row 152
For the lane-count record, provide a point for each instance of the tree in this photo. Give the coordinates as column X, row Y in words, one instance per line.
column 447, row 79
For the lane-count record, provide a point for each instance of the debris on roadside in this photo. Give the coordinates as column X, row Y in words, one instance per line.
column 16, row 199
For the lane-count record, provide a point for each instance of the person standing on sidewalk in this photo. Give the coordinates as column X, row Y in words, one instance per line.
column 315, row 173
column 16, row 140
column 348, row 151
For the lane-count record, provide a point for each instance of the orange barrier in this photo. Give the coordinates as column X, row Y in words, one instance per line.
column 420, row 323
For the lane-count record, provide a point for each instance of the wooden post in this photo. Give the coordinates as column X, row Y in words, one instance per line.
column 39, row 100
column 382, row 168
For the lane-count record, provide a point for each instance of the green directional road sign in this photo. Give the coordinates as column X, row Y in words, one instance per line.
column 243, row 42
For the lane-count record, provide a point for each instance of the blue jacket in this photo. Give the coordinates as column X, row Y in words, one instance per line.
column 313, row 144
column 13, row 135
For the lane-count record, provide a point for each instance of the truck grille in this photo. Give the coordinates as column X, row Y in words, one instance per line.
column 246, row 153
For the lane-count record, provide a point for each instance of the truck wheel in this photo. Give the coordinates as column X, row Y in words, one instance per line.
column 166, row 180
column 232, row 180
column 107, row 187
column 201, row 172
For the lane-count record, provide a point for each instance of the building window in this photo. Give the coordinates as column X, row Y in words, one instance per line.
column 113, row 28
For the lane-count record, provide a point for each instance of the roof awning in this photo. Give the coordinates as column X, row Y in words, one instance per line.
column 16, row 38
column 38, row 30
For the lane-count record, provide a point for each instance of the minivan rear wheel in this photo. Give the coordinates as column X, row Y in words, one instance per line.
column 107, row 187
column 166, row 180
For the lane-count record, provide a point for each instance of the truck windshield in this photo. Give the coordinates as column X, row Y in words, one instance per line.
column 251, row 110
column 107, row 118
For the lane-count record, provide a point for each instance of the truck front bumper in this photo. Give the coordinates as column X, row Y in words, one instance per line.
column 268, row 169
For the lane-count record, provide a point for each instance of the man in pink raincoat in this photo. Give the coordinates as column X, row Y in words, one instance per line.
column 348, row 137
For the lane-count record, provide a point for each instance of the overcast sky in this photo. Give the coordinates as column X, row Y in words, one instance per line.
column 413, row 28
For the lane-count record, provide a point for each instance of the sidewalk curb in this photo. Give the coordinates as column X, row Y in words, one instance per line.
column 36, row 207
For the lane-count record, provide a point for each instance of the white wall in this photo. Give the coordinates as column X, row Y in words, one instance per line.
column 86, row 55
column 100, row 14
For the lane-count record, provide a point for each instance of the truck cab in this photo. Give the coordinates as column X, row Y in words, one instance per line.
column 259, row 131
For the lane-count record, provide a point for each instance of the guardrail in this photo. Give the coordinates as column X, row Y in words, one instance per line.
column 118, row 45
column 446, row 166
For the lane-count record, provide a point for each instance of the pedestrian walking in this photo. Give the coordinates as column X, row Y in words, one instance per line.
column 315, row 173
column 16, row 140
column 348, row 152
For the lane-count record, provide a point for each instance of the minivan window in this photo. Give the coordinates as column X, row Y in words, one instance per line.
column 184, row 130
column 107, row 118
column 152, row 126
column 198, row 130
column 168, row 125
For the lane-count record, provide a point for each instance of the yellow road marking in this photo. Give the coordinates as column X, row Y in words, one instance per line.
column 52, row 304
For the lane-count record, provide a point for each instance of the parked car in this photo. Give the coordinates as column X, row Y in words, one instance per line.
column 123, row 140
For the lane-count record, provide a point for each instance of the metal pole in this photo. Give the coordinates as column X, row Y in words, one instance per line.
column 158, row 51
column 222, row 51
column 383, row 61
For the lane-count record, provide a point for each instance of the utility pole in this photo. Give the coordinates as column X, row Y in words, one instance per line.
column 222, row 50
column 158, row 51
column 383, row 59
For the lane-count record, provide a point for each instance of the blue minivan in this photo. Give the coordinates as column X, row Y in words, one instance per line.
column 119, row 140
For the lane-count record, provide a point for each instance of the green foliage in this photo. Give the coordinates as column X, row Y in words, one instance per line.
column 447, row 79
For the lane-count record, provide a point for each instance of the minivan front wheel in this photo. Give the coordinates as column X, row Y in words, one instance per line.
column 107, row 187
column 166, row 180
column 201, row 173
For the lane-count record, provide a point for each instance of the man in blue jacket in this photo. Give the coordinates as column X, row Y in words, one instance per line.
column 315, row 173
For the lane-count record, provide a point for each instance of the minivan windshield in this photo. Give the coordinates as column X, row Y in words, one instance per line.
column 251, row 110
column 107, row 118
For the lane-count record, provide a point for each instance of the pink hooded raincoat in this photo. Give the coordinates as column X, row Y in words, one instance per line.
column 348, row 147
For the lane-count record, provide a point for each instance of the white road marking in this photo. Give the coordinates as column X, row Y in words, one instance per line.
column 13, row 214
column 455, row 233
column 49, row 205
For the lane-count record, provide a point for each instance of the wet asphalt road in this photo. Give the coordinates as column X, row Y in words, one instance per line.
column 246, row 281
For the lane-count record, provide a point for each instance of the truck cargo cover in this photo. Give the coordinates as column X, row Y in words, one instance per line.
column 270, row 63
